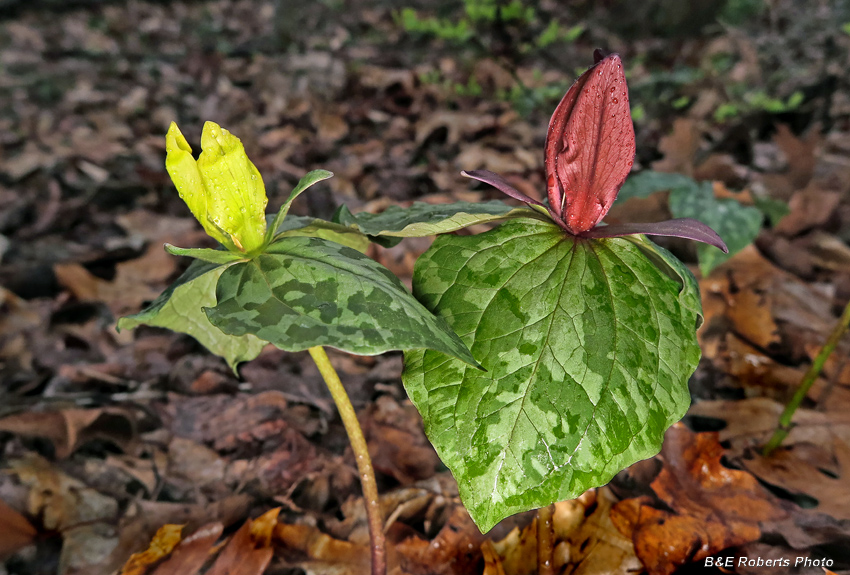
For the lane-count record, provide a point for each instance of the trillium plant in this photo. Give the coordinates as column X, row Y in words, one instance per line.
column 544, row 355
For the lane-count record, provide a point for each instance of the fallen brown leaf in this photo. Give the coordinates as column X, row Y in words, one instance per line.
column 597, row 546
column 394, row 434
column 15, row 531
column 136, row 281
column 789, row 470
column 751, row 421
column 713, row 507
column 455, row 550
column 69, row 428
column 166, row 539
column 249, row 551
column 304, row 544
column 679, row 148
column 189, row 555
column 492, row 561
column 810, row 208
column 59, row 499
column 799, row 153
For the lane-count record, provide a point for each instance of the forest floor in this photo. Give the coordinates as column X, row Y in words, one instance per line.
column 107, row 436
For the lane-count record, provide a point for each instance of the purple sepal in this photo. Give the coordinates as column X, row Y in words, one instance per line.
column 687, row 228
column 503, row 186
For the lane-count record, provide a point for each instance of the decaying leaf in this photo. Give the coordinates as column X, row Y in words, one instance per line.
column 67, row 429
column 455, row 550
column 136, row 281
column 597, row 546
column 166, row 539
column 710, row 506
column 306, row 546
column 191, row 553
column 793, row 471
column 249, row 550
column 751, row 421
column 60, row 500
column 15, row 531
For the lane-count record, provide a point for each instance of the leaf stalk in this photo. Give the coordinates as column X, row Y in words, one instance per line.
column 361, row 456
column 545, row 540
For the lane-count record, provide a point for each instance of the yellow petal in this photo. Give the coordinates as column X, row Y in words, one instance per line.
column 235, row 191
column 186, row 176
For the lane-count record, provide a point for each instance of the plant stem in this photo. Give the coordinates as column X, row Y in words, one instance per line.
column 784, row 427
column 361, row 455
column 545, row 540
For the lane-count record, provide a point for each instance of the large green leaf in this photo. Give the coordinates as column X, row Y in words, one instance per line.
column 422, row 219
column 305, row 292
column 737, row 224
column 180, row 308
column 588, row 347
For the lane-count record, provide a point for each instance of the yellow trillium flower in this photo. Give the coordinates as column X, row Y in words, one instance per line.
column 222, row 188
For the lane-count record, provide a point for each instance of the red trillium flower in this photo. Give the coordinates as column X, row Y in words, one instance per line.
column 590, row 148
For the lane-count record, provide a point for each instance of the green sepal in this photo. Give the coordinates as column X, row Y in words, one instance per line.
column 308, row 180
column 205, row 254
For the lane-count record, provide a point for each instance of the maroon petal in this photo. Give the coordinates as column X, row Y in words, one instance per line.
column 687, row 228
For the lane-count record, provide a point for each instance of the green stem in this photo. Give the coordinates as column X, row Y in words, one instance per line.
column 361, row 455
column 545, row 540
column 784, row 427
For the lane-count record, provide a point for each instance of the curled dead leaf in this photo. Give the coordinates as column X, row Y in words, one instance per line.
column 711, row 507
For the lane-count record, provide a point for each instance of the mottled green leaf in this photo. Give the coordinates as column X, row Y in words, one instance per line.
column 423, row 219
column 308, row 180
column 737, row 224
column 588, row 347
column 305, row 292
column 648, row 182
column 180, row 308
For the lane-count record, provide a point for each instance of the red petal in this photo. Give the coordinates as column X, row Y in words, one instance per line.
column 590, row 146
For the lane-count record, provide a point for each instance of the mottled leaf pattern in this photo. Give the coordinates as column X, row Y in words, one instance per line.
column 737, row 224
column 588, row 347
column 422, row 219
column 305, row 292
column 180, row 308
